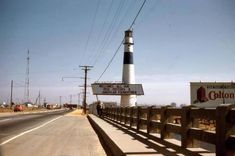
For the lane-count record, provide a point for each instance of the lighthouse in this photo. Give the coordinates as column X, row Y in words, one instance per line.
column 128, row 74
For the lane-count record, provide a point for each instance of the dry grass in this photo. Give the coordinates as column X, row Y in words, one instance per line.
column 3, row 110
column 26, row 109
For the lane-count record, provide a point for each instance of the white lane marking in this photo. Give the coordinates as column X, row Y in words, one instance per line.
column 28, row 131
column 4, row 120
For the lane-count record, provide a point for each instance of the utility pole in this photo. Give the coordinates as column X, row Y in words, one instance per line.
column 38, row 102
column 85, row 68
column 39, row 98
column 78, row 100
column 44, row 102
column 11, row 92
column 60, row 100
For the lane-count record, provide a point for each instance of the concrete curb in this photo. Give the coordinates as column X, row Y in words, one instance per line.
column 115, row 150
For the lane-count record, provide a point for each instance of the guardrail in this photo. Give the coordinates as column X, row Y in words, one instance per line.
column 189, row 122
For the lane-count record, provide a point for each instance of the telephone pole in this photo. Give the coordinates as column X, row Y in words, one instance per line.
column 85, row 68
column 78, row 100
column 39, row 98
column 60, row 100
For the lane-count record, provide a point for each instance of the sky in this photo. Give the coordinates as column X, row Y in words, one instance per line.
column 176, row 42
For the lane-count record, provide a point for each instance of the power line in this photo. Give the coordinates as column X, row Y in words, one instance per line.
column 131, row 26
column 115, row 32
column 108, row 33
column 111, row 60
column 137, row 14
column 91, row 30
column 103, row 27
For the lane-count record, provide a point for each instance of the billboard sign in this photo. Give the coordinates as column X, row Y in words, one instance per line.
column 117, row 89
column 212, row 93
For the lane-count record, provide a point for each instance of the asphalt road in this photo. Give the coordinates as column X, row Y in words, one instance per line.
column 12, row 125
column 48, row 134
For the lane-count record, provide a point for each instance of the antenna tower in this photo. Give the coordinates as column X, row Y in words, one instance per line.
column 27, row 80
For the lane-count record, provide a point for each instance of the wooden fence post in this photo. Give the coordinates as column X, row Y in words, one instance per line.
column 118, row 114
column 186, row 123
column 108, row 112
column 131, row 116
column 164, row 120
column 222, row 131
column 105, row 111
column 125, row 119
column 115, row 113
column 149, row 118
column 138, row 117
column 121, row 114
column 111, row 112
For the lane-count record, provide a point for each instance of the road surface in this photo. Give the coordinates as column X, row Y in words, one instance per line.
column 11, row 125
column 54, row 134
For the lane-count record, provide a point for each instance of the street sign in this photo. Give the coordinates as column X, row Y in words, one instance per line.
column 117, row 89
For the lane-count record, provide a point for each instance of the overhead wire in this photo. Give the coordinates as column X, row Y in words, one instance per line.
column 137, row 14
column 131, row 26
column 146, row 14
column 102, row 29
column 109, row 31
column 115, row 31
column 91, row 30
column 120, row 22
column 131, row 5
column 110, row 60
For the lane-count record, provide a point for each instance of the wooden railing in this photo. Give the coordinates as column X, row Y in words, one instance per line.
column 189, row 122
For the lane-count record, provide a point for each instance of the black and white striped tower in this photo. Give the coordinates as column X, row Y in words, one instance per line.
column 128, row 75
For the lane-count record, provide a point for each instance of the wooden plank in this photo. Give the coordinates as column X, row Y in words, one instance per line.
column 173, row 128
column 201, row 113
column 231, row 116
column 205, row 136
column 156, row 111
column 230, row 142
column 155, row 124
column 143, row 110
column 143, row 121
column 173, row 112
